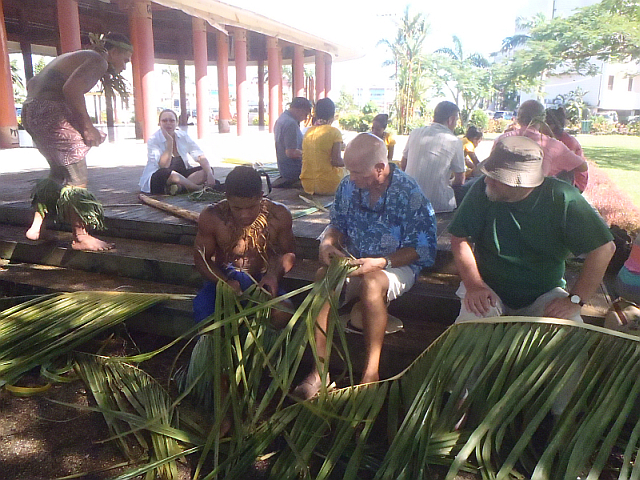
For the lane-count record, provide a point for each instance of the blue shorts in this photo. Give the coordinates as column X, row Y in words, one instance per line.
column 205, row 302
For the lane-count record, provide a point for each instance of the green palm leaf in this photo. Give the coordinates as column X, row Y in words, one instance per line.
column 514, row 370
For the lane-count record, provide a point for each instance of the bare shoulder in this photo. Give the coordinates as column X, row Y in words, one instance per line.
column 278, row 211
column 213, row 215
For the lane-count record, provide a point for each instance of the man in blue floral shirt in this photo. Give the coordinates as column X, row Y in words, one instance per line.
column 381, row 217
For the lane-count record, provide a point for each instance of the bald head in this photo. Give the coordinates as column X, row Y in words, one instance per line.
column 365, row 150
column 531, row 112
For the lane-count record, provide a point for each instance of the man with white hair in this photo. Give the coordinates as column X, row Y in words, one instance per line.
column 513, row 232
column 382, row 218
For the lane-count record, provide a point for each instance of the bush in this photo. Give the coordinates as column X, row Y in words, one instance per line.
column 601, row 125
column 417, row 122
column 257, row 119
column 480, row 119
column 497, row 126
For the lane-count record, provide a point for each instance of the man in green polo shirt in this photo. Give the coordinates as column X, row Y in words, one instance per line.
column 513, row 232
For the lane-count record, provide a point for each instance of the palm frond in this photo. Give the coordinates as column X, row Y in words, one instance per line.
column 34, row 332
column 506, row 375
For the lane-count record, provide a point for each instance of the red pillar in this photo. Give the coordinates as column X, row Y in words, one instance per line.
column 273, row 50
column 297, row 65
column 222, row 46
column 142, row 40
column 8, row 121
column 240, row 51
column 138, row 104
column 184, row 112
column 327, row 74
column 280, row 82
column 320, row 73
column 261, row 94
column 201, row 59
column 69, row 25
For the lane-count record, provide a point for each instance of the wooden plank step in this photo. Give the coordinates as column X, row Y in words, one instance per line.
column 171, row 318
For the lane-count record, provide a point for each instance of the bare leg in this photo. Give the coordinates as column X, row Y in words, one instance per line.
column 34, row 230
column 372, row 295
column 83, row 241
column 312, row 382
column 177, row 179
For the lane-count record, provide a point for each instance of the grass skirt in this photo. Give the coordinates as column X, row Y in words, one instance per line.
column 48, row 197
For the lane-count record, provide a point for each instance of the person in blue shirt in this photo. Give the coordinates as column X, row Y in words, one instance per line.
column 381, row 217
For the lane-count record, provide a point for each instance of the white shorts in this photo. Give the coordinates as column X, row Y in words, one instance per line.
column 401, row 279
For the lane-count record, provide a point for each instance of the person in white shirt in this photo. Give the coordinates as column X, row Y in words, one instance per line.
column 168, row 169
column 432, row 153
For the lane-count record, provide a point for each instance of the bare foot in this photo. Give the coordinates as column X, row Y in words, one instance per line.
column 33, row 233
column 90, row 244
column 309, row 387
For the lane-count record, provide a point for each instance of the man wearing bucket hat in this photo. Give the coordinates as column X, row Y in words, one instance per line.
column 513, row 232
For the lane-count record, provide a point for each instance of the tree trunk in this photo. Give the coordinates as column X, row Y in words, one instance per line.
column 108, row 93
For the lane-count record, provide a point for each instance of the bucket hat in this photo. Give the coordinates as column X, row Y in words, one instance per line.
column 515, row 161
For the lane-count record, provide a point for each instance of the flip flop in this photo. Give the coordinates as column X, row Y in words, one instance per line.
column 394, row 324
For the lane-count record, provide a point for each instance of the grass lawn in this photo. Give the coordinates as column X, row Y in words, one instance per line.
column 619, row 157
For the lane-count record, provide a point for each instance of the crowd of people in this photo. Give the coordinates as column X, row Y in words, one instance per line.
column 518, row 214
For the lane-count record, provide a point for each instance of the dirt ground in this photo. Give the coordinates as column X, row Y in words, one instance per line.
column 42, row 440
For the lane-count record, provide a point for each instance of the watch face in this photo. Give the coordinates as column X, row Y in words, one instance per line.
column 575, row 299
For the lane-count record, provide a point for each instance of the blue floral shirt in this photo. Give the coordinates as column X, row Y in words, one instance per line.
column 402, row 217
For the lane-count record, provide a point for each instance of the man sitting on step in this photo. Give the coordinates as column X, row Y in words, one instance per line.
column 513, row 232
column 242, row 238
column 380, row 216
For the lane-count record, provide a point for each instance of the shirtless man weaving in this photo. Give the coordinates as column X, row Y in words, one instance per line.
column 242, row 238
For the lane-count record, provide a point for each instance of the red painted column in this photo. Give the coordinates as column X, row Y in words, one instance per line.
column 320, row 73
column 182, row 81
column 142, row 40
column 273, row 50
column 222, row 47
column 240, row 51
column 327, row 74
column 69, row 25
column 8, row 121
column 280, row 82
column 297, row 65
column 261, row 94
column 138, row 104
column 201, row 59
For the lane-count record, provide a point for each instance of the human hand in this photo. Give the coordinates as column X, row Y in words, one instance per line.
column 270, row 284
column 479, row 300
column 367, row 265
column 235, row 286
column 327, row 252
column 561, row 308
column 92, row 136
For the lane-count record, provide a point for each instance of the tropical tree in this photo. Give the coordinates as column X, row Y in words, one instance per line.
column 467, row 77
column 574, row 104
column 111, row 84
column 18, row 84
column 408, row 58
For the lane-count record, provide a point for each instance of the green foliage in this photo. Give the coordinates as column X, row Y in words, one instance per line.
column 497, row 126
column 480, row 119
column 602, row 125
column 410, row 66
column 19, row 91
column 346, row 103
column 576, row 108
column 606, row 31
column 468, row 78
column 359, row 122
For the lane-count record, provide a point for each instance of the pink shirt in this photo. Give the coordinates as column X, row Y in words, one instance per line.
column 557, row 156
column 580, row 179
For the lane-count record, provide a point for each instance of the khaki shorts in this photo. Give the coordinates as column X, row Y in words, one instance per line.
column 401, row 279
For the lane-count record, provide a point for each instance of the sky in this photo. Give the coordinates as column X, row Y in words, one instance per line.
column 481, row 27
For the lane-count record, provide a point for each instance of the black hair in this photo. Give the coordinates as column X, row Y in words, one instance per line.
column 325, row 109
column 473, row 132
column 243, row 181
column 117, row 40
column 444, row 110
column 556, row 118
column 300, row 102
column 382, row 119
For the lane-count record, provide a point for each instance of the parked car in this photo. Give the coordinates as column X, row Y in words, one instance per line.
column 505, row 115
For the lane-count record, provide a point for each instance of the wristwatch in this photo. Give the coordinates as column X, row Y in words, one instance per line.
column 389, row 265
column 576, row 299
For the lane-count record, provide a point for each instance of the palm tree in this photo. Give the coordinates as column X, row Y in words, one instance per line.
column 468, row 77
column 408, row 58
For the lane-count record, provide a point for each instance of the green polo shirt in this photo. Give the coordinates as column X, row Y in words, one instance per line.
column 521, row 247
